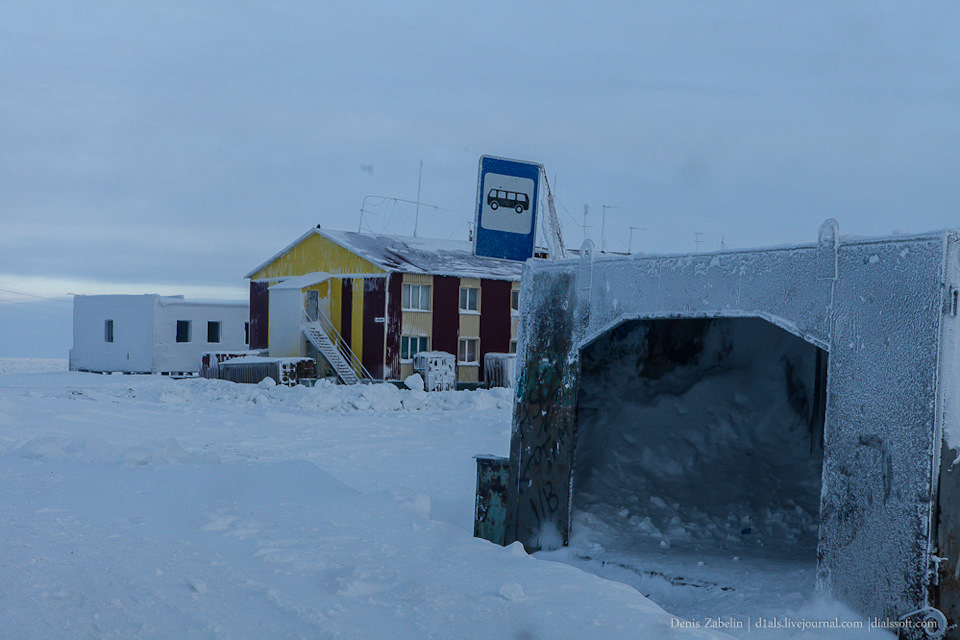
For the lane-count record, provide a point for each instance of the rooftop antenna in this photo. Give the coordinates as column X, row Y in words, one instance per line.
column 394, row 200
column 586, row 210
column 551, row 225
column 603, row 227
column 416, row 218
column 723, row 245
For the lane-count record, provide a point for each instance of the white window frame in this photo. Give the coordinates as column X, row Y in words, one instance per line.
column 515, row 298
column 465, row 303
column 415, row 297
column 462, row 351
column 421, row 341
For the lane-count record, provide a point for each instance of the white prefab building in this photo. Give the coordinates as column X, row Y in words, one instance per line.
column 152, row 333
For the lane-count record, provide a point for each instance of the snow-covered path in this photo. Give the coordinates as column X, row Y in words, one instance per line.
column 142, row 507
column 146, row 507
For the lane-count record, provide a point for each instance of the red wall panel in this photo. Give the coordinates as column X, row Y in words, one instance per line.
column 494, row 318
column 374, row 308
column 446, row 314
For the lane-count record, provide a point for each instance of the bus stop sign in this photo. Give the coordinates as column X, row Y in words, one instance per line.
column 506, row 208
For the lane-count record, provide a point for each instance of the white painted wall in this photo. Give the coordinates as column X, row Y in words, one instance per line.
column 132, row 346
column 170, row 355
column 284, row 337
column 145, row 332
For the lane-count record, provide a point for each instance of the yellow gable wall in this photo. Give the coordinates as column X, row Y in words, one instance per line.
column 316, row 253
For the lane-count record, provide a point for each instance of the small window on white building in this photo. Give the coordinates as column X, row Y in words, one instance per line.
column 416, row 297
column 213, row 332
column 108, row 330
column 468, row 350
column 515, row 301
column 513, row 346
column 183, row 331
column 469, row 299
column 412, row 345
column 246, row 333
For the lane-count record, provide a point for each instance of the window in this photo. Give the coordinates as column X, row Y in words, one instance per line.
column 246, row 333
column 468, row 350
column 213, row 332
column 411, row 346
column 515, row 300
column 183, row 331
column 513, row 346
column 416, row 297
column 469, row 299
column 108, row 330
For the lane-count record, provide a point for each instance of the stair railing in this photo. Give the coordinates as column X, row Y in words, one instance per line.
column 341, row 345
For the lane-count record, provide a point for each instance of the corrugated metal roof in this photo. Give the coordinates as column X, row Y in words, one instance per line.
column 415, row 255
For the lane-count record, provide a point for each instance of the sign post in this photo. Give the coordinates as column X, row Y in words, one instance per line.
column 507, row 193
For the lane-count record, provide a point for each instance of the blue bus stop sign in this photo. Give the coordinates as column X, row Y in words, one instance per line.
column 506, row 208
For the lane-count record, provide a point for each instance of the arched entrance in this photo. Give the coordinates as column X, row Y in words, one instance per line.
column 698, row 441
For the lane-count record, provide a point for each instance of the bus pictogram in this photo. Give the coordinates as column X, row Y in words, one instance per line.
column 497, row 198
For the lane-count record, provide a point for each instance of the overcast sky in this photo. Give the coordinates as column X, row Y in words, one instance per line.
column 173, row 146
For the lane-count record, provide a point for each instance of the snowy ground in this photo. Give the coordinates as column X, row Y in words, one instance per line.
column 145, row 507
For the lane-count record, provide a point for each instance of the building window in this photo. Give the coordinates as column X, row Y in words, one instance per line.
column 411, row 346
column 513, row 346
column 246, row 333
column 213, row 332
column 183, row 331
column 469, row 299
column 108, row 330
column 416, row 297
column 468, row 350
column 515, row 301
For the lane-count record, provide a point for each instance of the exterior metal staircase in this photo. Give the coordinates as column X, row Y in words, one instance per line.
column 330, row 344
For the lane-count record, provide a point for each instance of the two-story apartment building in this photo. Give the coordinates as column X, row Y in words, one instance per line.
column 386, row 298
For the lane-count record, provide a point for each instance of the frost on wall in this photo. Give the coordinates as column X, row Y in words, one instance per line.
column 542, row 441
column 879, row 313
column 709, row 431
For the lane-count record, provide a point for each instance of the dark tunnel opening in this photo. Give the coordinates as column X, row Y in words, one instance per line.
column 699, row 438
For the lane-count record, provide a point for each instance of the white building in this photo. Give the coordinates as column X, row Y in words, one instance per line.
column 152, row 333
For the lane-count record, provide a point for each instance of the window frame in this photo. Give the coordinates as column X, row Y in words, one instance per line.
column 515, row 299
column 246, row 333
column 408, row 341
column 219, row 331
column 468, row 289
column 466, row 352
column 188, row 324
column 406, row 297
column 108, row 327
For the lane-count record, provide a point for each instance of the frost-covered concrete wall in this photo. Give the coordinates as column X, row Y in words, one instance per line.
column 132, row 346
column 170, row 355
column 286, row 309
column 145, row 332
column 876, row 305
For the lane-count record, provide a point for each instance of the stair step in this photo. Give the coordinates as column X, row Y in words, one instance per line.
column 319, row 339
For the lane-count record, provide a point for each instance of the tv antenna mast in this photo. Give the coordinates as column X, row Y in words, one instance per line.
column 551, row 225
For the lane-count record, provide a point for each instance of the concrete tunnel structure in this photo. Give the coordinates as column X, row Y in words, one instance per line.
column 867, row 327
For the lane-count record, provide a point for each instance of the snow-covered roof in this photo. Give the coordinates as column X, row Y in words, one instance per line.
column 407, row 254
column 208, row 302
column 425, row 255
column 310, row 279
